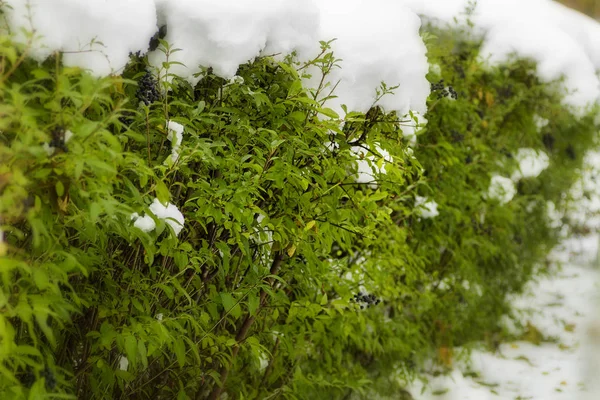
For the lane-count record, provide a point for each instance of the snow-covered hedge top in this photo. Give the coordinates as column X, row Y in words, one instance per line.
column 375, row 46
column 561, row 40
column 378, row 40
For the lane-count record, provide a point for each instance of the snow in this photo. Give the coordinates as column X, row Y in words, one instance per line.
column 145, row 223
column 226, row 33
column 374, row 46
column 175, row 136
column 562, row 41
column 412, row 126
column 426, row 208
column 169, row 213
column 371, row 46
column 369, row 164
column 501, row 189
column 123, row 363
column 561, row 306
column 531, row 163
column 93, row 34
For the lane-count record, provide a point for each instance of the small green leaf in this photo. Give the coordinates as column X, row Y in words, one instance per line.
column 60, row 188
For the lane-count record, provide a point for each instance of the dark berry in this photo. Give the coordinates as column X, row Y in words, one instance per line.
column 49, row 378
column 148, row 91
column 548, row 141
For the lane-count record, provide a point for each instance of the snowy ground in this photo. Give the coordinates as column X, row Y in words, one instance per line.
column 563, row 310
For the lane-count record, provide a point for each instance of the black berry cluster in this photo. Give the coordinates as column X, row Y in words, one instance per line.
column 148, row 91
column 49, row 378
column 58, row 138
column 452, row 92
column 449, row 91
column 444, row 91
column 366, row 300
column 438, row 86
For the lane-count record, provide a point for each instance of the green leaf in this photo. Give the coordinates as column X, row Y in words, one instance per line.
column 131, row 347
column 179, row 350
column 162, row 192
column 253, row 303
column 60, row 188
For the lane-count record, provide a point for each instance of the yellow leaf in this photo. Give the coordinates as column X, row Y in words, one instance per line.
column 445, row 355
column 291, row 250
column 62, row 203
column 309, row 226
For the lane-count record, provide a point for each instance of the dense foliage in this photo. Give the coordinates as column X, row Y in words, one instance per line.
column 290, row 278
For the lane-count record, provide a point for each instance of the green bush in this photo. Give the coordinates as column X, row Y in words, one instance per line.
column 289, row 277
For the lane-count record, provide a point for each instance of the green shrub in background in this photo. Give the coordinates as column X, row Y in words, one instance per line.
column 289, row 278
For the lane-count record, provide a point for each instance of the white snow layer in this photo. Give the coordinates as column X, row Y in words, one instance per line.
column 563, row 307
column 561, row 40
column 93, row 34
column 377, row 40
column 223, row 34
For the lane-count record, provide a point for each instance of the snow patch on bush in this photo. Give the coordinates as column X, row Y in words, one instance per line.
column 501, row 189
column 175, row 136
column 169, row 213
column 145, row 223
column 531, row 163
column 426, row 208
column 369, row 165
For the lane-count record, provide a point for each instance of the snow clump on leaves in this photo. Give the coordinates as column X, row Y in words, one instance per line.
column 501, row 189
column 531, row 163
column 426, row 208
column 169, row 213
column 175, row 136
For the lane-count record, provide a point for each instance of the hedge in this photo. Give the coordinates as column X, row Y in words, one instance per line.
column 167, row 241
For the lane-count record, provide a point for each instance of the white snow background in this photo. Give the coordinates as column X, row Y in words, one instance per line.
column 376, row 40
